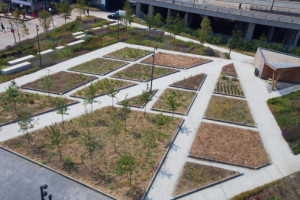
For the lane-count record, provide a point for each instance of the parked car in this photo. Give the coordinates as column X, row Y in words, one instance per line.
column 117, row 15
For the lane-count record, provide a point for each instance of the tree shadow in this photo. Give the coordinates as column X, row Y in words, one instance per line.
column 185, row 130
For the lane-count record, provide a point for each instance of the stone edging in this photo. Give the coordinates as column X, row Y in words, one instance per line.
column 229, row 122
column 242, row 97
column 162, row 162
column 38, row 114
column 179, row 67
column 57, row 172
column 207, row 186
column 198, row 89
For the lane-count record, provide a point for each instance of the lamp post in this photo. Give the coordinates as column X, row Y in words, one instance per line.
column 230, row 45
column 37, row 33
column 50, row 10
column 152, row 69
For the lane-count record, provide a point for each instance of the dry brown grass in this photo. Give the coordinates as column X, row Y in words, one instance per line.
column 129, row 54
column 172, row 60
column 195, row 176
column 229, row 70
column 192, row 83
column 104, row 176
column 227, row 144
column 136, row 101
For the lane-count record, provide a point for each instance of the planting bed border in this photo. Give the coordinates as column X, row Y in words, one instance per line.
column 179, row 67
column 242, row 97
column 44, row 91
column 162, row 161
column 119, row 103
column 71, row 70
column 187, row 112
column 38, row 114
column 207, row 186
column 230, row 122
column 230, row 163
column 106, row 93
column 121, row 59
column 56, row 172
column 185, row 88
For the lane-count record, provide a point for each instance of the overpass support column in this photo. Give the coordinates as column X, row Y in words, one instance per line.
column 250, row 31
column 271, row 33
column 187, row 20
column 138, row 9
column 296, row 40
column 150, row 10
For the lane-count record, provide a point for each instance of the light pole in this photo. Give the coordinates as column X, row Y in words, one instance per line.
column 230, row 45
column 37, row 33
column 50, row 10
column 152, row 69
column 272, row 5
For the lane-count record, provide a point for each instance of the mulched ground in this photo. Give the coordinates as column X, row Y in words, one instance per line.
column 129, row 54
column 62, row 82
column 229, row 86
column 192, row 83
column 229, row 70
column 228, row 144
column 177, row 61
column 136, row 101
column 195, row 176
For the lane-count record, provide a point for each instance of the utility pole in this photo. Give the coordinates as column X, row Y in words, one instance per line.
column 152, row 69
column 37, row 33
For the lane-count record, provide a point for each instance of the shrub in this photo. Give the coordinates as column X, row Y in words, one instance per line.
column 209, row 51
column 69, row 165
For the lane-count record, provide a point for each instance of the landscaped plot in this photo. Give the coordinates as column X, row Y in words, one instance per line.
column 177, row 61
column 103, row 86
column 59, row 83
column 142, row 144
column 137, row 101
column 195, row 176
column 184, row 98
column 140, row 72
column 229, row 110
column 229, row 70
column 191, row 83
column 229, row 86
column 230, row 145
column 286, row 110
column 129, row 54
column 99, row 66
column 30, row 103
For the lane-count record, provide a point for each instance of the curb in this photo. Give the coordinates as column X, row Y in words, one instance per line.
column 198, row 89
column 229, row 122
column 179, row 67
column 242, row 97
column 122, row 59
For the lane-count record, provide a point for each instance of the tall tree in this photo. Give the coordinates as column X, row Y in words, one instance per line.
column 237, row 38
column 126, row 164
column 45, row 20
column 146, row 97
column 172, row 102
column 12, row 94
column 65, row 10
column 125, row 110
column 175, row 25
column 57, row 138
column 19, row 24
column 80, row 6
column 47, row 83
column 206, row 31
column 90, row 96
column 61, row 109
column 129, row 15
column 150, row 21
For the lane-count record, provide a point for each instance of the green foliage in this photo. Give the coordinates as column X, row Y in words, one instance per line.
column 90, row 95
column 111, row 91
column 129, row 16
column 175, row 25
column 125, row 110
column 45, row 20
column 65, row 10
column 61, row 109
column 47, row 84
column 149, row 140
column 25, row 123
column 237, row 38
column 206, row 31
column 80, row 5
column 126, row 164
column 12, row 94
column 56, row 137
column 19, row 24
column 114, row 128
column 68, row 164
column 145, row 98
column 172, row 102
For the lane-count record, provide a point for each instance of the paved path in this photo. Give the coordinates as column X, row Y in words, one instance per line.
column 21, row 179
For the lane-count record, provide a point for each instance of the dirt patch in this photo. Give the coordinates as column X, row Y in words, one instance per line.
column 185, row 98
column 229, row 86
column 136, row 101
column 231, row 145
column 129, row 54
column 140, row 72
column 103, row 176
column 192, row 83
column 99, row 66
column 177, row 61
column 229, row 70
column 229, row 110
column 195, row 176
column 61, row 82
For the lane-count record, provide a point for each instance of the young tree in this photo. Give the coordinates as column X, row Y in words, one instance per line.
column 12, row 94
column 126, row 164
column 129, row 15
column 158, row 20
column 87, row 118
column 150, row 21
column 206, row 31
column 20, row 25
column 57, row 138
column 146, row 97
column 47, row 83
column 61, row 109
column 110, row 88
column 149, row 140
column 80, row 5
column 237, row 38
column 25, row 123
column 45, row 20
column 65, row 10
column 125, row 110
column 90, row 96
column 175, row 25
column 172, row 102
column 114, row 128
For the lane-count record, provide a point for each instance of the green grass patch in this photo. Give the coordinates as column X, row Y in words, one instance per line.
column 129, row 54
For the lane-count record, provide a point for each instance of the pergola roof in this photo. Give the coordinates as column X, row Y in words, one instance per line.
column 280, row 65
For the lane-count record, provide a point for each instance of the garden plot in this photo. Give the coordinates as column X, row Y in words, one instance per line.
column 99, row 66
column 176, row 61
column 230, row 110
column 140, row 148
column 102, row 87
column 229, row 70
column 191, row 83
column 129, row 54
column 140, row 72
column 183, row 100
column 26, row 103
column 138, row 101
column 230, row 145
column 195, row 176
column 229, row 86
column 59, row 83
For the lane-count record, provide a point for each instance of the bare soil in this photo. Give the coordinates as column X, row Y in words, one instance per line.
column 195, row 176
column 228, row 144
column 229, row 86
column 62, row 82
column 177, row 61
column 129, row 54
column 229, row 70
column 77, row 164
column 192, row 83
